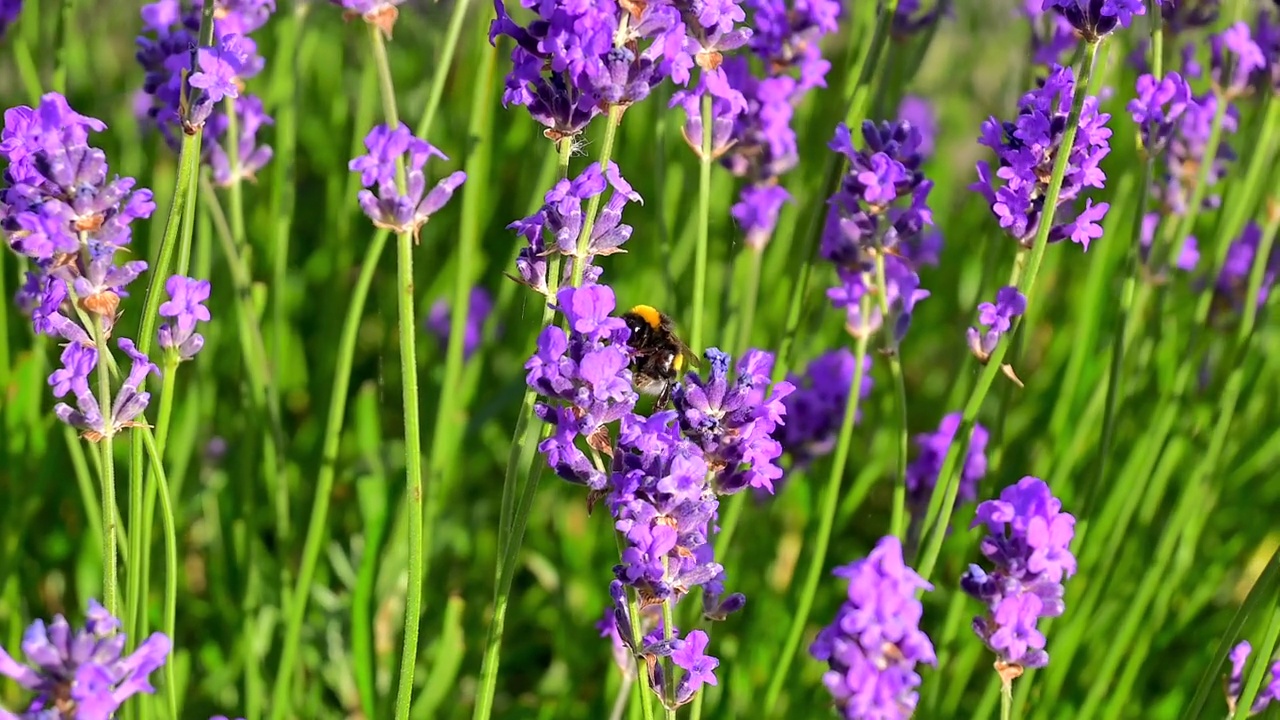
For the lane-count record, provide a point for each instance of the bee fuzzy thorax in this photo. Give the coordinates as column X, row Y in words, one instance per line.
column 658, row 355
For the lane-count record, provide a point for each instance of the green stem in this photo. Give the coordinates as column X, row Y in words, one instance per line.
column 107, row 474
column 66, row 35
column 704, row 228
column 750, row 300
column 443, row 65
column 409, row 402
column 513, row 517
column 644, row 690
column 898, row 522
column 1006, row 699
column 948, row 485
column 593, row 205
column 318, row 522
column 830, row 501
column 170, row 563
column 668, row 668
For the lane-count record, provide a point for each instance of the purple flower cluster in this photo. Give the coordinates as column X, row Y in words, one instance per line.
column 84, row 669
column 439, row 320
column 576, row 59
column 875, row 641
column 761, row 143
column 733, row 423
column 1158, row 107
column 922, row 473
column 663, row 504
column 1235, row 682
column 220, row 72
column 408, row 211
column 815, row 408
column 1235, row 60
column 588, row 369
column 881, row 208
column 688, row 653
column 184, row 308
column 996, row 320
column 1094, row 19
column 62, row 210
column 1028, row 544
column 1231, row 285
column 562, row 218
column 1026, row 150
column 1053, row 38
column 9, row 11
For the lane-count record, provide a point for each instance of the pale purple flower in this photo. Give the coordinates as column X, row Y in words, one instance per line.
column 1094, row 19
column 815, row 408
column 184, row 308
column 84, row 667
column 922, row 473
column 408, row 210
column 1267, row 694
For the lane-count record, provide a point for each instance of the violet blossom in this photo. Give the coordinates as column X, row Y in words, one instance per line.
column 733, row 423
column 880, row 209
column 1157, row 108
column 875, row 642
column 64, row 212
column 1028, row 543
column 216, row 73
column 184, row 308
column 1095, row 19
column 408, row 210
column 996, row 320
column 9, row 11
column 586, row 370
column 82, row 668
column 1267, row 694
column 815, row 407
column 1027, row 149
column 922, row 473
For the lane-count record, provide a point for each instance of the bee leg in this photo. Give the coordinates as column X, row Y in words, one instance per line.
column 664, row 397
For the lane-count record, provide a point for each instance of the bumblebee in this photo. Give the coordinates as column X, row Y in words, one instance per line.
column 657, row 354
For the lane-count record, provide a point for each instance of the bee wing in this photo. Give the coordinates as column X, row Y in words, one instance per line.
column 690, row 356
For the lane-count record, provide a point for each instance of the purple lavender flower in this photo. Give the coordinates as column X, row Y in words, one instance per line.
column 184, row 308
column 1268, row 694
column 439, row 321
column 874, row 643
column 1186, row 155
column 562, row 218
column 1053, row 38
column 922, row 473
column 9, row 11
column 129, row 401
column 699, row 668
column 1267, row 34
column 1028, row 544
column 815, row 408
column 920, row 113
column 1186, row 262
column 588, row 370
column 1094, row 19
column 574, row 60
column 407, row 211
column 1158, row 107
column 85, row 669
column 662, row 505
column 1232, row 283
column 880, row 208
column 996, row 320
column 1234, row 59
column 1026, row 151
column 733, row 423
column 219, row 73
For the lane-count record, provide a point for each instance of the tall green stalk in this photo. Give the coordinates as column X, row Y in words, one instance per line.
column 409, row 401
column 525, row 441
column 704, row 228
column 830, row 500
column 107, row 477
column 943, row 499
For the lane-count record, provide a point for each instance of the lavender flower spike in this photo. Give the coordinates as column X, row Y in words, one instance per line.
column 1268, row 694
column 86, row 668
column 1158, row 107
column 1095, row 19
column 1027, row 542
column 874, row 643
column 996, row 320
column 1026, row 151
column 388, row 207
column 922, row 473
column 184, row 308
